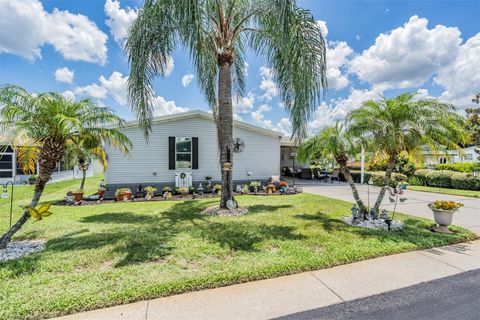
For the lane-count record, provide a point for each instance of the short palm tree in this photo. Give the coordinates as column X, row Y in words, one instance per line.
column 404, row 123
column 216, row 34
column 50, row 123
column 337, row 142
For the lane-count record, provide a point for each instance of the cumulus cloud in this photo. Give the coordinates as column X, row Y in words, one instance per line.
column 461, row 79
column 338, row 54
column 267, row 84
column 64, row 75
column 258, row 116
column 186, row 79
column 162, row 107
column 243, row 104
column 27, row 27
column 407, row 56
column 119, row 20
column 284, row 126
column 115, row 86
column 69, row 95
column 93, row 90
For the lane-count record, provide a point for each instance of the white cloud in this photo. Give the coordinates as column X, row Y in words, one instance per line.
column 92, row 90
column 170, row 66
column 186, row 79
column 259, row 117
column 323, row 27
column 407, row 56
column 116, row 86
column 245, row 68
column 162, row 107
column 64, row 75
column 267, row 84
column 243, row 104
column 69, row 95
column 461, row 79
column 284, row 126
column 26, row 27
column 337, row 58
column 119, row 20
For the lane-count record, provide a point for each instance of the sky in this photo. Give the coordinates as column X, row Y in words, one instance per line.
column 375, row 48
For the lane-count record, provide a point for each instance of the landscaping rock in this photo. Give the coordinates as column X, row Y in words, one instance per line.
column 374, row 224
column 217, row 211
column 18, row 249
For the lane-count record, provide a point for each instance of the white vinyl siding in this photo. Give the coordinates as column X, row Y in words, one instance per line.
column 148, row 162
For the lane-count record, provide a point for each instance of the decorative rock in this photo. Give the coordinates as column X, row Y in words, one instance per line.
column 18, row 249
column 374, row 224
column 217, row 211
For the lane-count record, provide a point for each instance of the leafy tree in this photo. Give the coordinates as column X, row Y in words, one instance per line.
column 335, row 141
column 404, row 123
column 216, row 34
column 50, row 123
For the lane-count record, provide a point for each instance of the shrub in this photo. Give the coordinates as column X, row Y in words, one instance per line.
column 441, row 179
column 217, row 188
column 150, row 191
column 421, row 175
column 446, row 205
column 413, row 180
column 460, row 167
column 119, row 191
column 465, row 181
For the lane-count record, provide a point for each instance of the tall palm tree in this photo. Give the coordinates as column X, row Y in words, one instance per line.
column 337, row 142
column 404, row 123
column 216, row 34
column 51, row 123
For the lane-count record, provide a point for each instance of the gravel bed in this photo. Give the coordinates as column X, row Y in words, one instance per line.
column 18, row 249
column 374, row 224
column 217, row 211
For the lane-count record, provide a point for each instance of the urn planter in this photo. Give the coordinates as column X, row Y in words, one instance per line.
column 442, row 217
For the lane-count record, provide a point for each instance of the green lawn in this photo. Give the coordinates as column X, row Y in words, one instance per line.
column 455, row 192
column 111, row 254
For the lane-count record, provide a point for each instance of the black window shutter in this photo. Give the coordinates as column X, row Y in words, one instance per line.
column 171, row 153
column 194, row 153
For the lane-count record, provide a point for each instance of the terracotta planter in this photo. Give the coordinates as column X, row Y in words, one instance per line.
column 124, row 195
column 77, row 196
column 101, row 194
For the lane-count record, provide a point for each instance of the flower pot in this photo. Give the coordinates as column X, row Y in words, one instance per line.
column 101, row 193
column 443, row 217
column 124, row 196
column 77, row 196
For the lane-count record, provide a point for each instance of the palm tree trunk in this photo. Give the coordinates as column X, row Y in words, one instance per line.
column 225, row 129
column 50, row 154
column 84, row 175
column 342, row 161
column 386, row 180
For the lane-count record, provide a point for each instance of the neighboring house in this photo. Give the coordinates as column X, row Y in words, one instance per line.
column 182, row 150
column 11, row 169
column 453, row 156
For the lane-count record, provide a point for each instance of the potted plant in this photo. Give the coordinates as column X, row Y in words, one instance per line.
column 284, row 185
column 245, row 188
column 32, row 179
column 217, row 188
column 167, row 192
column 183, row 191
column 123, row 194
column 77, row 195
column 404, row 185
column 254, row 185
column 191, row 190
column 270, row 188
column 150, row 192
column 443, row 213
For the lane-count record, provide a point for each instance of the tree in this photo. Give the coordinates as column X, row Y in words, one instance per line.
column 216, row 34
column 472, row 125
column 404, row 123
column 335, row 141
column 50, row 123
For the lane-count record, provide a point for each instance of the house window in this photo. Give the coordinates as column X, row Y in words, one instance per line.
column 6, row 165
column 183, row 153
column 469, row 157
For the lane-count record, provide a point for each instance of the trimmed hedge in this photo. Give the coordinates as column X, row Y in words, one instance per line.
column 377, row 177
column 460, row 167
column 447, row 179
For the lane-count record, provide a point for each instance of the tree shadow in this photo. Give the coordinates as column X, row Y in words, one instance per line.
column 268, row 208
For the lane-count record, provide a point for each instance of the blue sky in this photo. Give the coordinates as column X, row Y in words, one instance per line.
column 374, row 47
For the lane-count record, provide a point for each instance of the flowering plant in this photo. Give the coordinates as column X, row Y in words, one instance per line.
column 283, row 183
column 446, row 205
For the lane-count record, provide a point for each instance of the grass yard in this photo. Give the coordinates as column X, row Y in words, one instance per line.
column 455, row 192
column 110, row 254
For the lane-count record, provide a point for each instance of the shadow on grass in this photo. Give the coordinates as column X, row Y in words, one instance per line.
column 142, row 237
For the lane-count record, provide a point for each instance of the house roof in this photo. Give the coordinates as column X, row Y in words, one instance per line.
column 208, row 116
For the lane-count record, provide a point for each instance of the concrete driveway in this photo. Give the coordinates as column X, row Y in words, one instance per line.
column 415, row 205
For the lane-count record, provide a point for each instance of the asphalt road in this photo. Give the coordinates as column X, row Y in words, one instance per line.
column 456, row 297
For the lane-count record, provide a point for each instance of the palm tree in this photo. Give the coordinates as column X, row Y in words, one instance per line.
column 404, row 123
column 337, row 142
column 51, row 123
column 216, row 34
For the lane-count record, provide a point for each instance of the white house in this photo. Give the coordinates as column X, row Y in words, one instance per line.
column 467, row 155
column 185, row 145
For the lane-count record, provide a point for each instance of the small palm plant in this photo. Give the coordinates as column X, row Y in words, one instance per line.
column 404, row 123
column 51, row 123
column 337, row 142
column 216, row 34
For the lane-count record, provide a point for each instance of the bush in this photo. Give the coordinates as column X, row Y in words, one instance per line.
column 460, row 167
column 414, row 181
column 404, row 165
column 465, row 181
column 421, row 175
column 441, row 179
